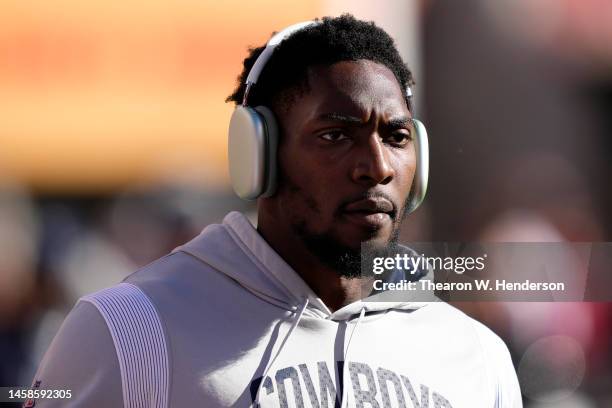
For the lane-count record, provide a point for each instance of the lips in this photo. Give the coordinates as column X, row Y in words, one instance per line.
column 371, row 213
column 370, row 206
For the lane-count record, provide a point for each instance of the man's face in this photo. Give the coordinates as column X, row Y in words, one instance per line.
column 346, row 158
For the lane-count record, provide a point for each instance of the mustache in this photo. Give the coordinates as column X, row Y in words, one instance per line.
column 365, row 196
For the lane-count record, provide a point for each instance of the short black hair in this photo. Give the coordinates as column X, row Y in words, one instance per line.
column 332, row 40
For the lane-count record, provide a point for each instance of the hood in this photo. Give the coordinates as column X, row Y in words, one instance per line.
column 236, row 249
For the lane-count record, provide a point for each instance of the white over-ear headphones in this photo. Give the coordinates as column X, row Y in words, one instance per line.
column 253, row 139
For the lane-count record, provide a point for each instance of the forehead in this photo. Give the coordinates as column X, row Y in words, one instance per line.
column 357, row 88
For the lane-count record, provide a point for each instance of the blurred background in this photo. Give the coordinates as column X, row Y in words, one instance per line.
column 113, row 151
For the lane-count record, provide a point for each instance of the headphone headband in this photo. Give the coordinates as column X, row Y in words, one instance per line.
column 263, row 58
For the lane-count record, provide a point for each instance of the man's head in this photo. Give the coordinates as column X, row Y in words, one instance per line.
column 346, row 157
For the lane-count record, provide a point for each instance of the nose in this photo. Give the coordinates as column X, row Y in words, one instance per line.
column 372, row 165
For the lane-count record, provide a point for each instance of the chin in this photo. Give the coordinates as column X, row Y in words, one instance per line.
column 373, row 239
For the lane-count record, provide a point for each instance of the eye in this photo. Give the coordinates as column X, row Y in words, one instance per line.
column 334, row 136
column 400, row 137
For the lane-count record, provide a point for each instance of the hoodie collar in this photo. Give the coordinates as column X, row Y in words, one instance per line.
column 275, row 267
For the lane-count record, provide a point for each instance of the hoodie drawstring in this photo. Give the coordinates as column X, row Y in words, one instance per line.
column 344, row 402
column 268, row 369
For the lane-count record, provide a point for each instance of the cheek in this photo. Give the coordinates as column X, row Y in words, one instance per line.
column 304, row 189
column 291, row 170
column 295, row 187
column 405, row 166
column 300, row 167
column 410, row 171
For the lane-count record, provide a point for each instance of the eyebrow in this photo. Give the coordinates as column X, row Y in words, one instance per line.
column 395, row 123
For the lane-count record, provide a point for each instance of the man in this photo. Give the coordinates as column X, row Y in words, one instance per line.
column 274, row 316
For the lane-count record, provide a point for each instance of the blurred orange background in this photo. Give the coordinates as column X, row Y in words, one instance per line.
column 98, row 94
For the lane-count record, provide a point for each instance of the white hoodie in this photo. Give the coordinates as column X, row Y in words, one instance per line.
column 201, row 326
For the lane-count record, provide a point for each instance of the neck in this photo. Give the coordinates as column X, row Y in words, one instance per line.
column 334, row 290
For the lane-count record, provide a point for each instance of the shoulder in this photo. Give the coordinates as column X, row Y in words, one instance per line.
column 455, row 318
column 92, row 353
column 493, row 350
column 172, row 269
column 82, row 358
column 455, row 321
column 180, row 281
column 110, row 348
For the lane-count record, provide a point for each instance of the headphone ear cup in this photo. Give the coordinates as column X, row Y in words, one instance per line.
column 421, row 174
column 272, row 135
column 247, row 151
column 252, row 146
